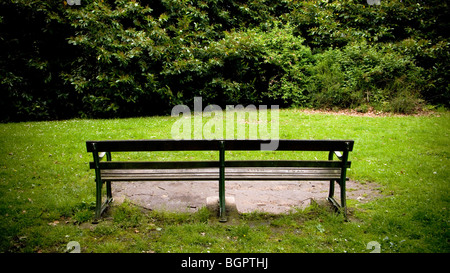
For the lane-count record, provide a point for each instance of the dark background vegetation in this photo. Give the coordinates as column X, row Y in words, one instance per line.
column 137, row 58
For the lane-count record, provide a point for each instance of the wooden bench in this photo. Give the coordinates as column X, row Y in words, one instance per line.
column 219, row 170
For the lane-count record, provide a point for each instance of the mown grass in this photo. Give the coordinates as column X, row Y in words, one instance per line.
column 47, row 191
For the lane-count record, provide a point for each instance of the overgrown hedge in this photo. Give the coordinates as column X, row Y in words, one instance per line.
column 131, row 58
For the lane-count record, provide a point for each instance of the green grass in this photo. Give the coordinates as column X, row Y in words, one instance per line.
column 47, row 191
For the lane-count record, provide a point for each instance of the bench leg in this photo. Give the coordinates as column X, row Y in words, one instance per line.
column 108, row 190
column 343, row 180
column 343, row 198
column 108, row 183
column 343, row 205
column 331, row 193
column 98, row 202
column 222, row 210
column 99, row 206
column 332, row 182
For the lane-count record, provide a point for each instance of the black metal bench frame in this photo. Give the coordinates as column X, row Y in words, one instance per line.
column 221, row 170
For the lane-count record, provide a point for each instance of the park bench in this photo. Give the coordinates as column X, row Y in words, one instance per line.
column 219, row 170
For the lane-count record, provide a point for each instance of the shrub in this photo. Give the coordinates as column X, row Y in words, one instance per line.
column 364, row 74
column 261, row 67
column 289, row 59
column 403, row 103
column 152, row 63
column 33, row 54
column 117, row 58
column 326, row 86
column 434, row 58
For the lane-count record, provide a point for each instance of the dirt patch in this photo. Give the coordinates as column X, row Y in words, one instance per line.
column 265, row 196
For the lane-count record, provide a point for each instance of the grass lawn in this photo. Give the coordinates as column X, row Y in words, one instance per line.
column 47, row 191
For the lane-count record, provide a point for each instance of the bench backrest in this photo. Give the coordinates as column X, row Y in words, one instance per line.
column 212, row 145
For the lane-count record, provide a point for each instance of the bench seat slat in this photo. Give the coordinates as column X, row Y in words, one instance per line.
column 214, row 178
column 228, row 170
column 230, row 174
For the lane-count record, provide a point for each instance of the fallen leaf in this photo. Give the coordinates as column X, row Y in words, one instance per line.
column 54, row 223
column 320, row 228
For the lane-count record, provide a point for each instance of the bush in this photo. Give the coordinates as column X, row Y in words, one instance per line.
column 362, row 74
column 434, row 58
column 146, row 66
column 289, row 59
column 118, row 58
column 34, row 53
column 260, row 67
column 403, row 103
column 161, row 62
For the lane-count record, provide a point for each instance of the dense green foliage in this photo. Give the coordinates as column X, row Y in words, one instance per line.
column 129, row 58
column 359, row 74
